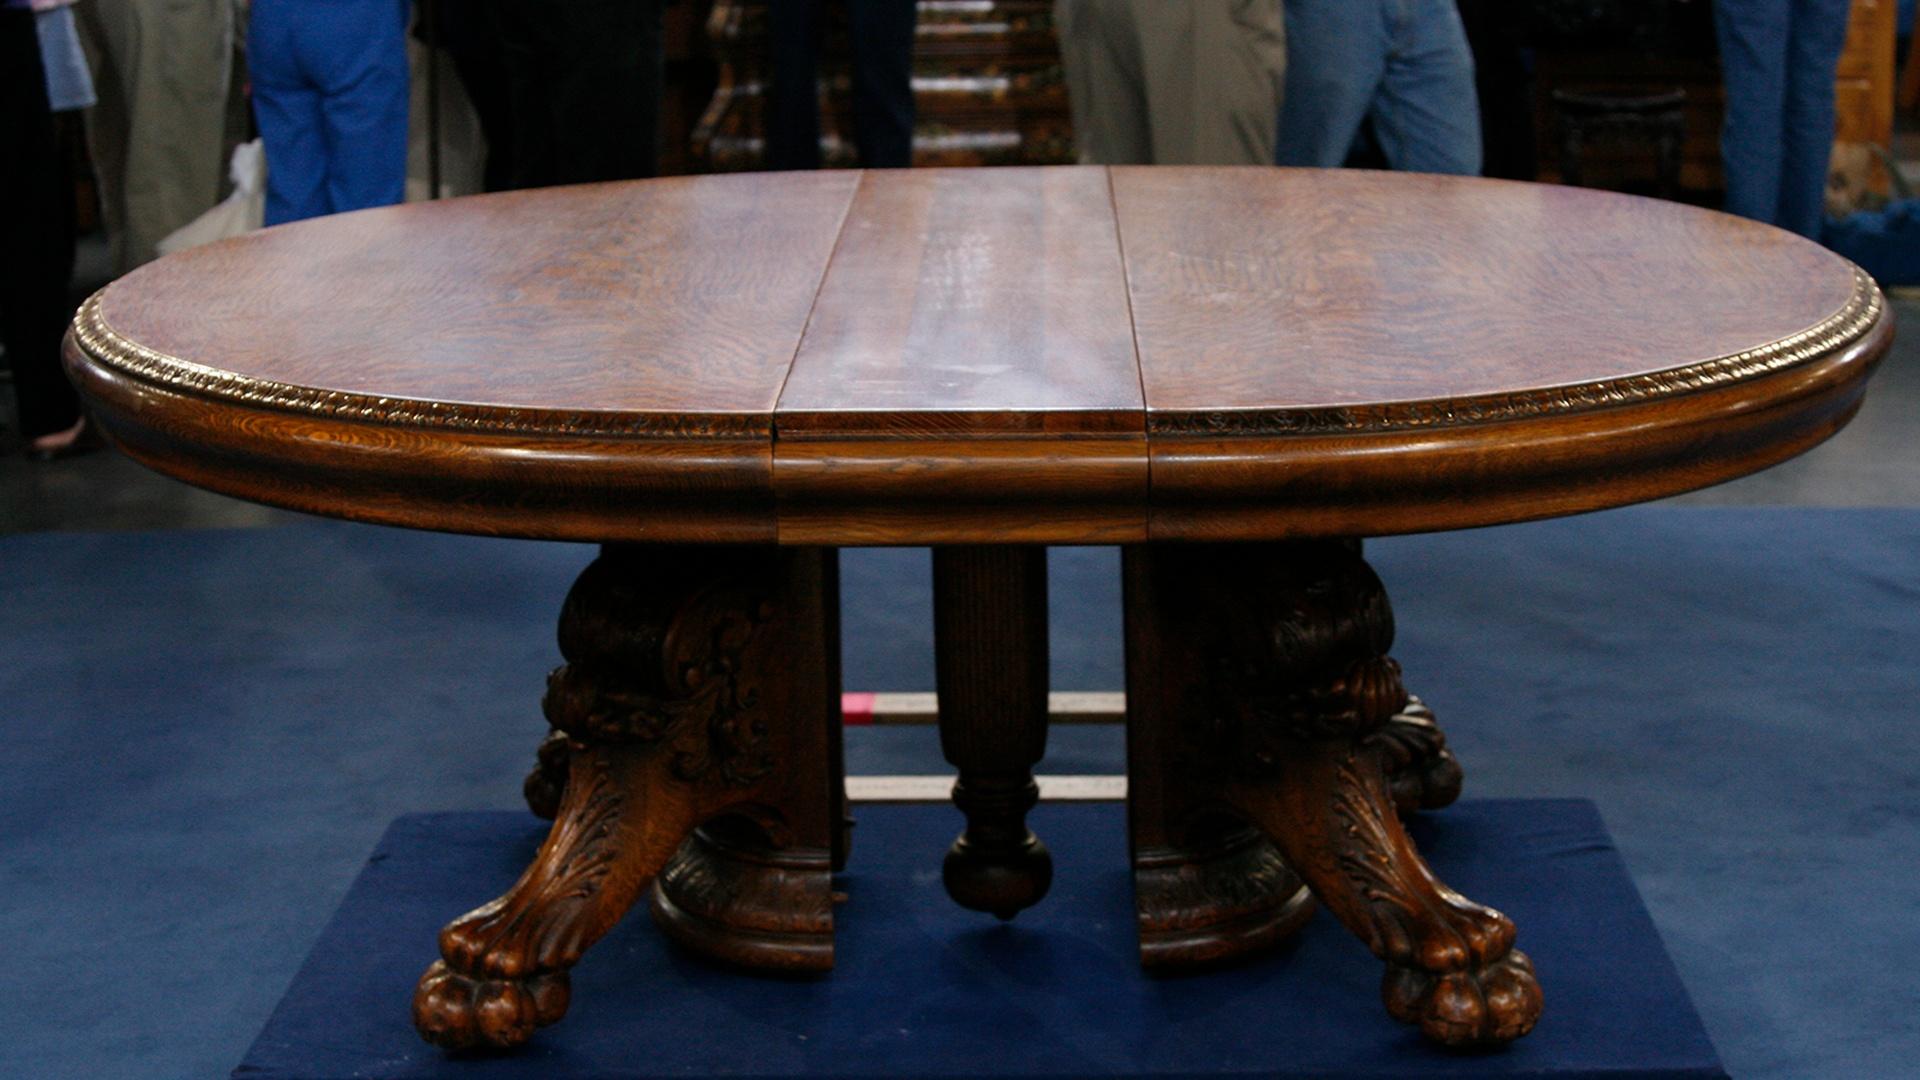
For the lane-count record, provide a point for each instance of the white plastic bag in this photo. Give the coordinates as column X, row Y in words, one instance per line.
column 241, row 212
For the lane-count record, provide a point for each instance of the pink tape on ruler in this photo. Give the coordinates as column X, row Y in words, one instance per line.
column 857, row 708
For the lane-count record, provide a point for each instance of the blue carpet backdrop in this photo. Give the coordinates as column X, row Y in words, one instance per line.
column 202, row 734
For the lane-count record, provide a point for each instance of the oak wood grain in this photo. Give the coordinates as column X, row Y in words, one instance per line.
column 970, row 300
column 970, row 359
column 1066, row 355
column 1272, row 289
column 679, row 297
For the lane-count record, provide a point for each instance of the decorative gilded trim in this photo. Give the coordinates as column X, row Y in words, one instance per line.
column 1837, row 331
column 111, row 350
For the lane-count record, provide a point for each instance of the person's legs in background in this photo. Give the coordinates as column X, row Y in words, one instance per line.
column 467, row 34
column 1504, row 85
column 1753, row 38
column 1426, row 115
column 793, row 91
column 159, row 136
column 881, row 35
column 1106, row 88
column 1806, row 143
column 606, row 86
column 286, row 105
column 1336, row 58
column 1214, row 75
column 357, row 51
column 36, row 207
column 526, row 40
column 583, row 88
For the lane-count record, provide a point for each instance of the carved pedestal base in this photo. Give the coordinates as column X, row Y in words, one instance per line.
column 701, row 692
column 1214, row 900
column 731, row 895
column 1261, row 695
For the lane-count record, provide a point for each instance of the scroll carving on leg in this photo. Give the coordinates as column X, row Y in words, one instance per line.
column 1424, row 774
column 547, row 782
column 672, row 710
column 1305, row 730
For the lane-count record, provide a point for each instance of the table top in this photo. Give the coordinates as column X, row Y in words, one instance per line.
column 1049, row 355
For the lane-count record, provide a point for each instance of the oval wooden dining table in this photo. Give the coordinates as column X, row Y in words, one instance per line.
column 1237, row 374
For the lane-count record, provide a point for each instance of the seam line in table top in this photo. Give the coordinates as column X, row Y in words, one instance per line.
column 1133, row 327
column 819, row 287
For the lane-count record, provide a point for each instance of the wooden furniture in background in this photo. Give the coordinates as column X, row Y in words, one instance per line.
column 987, row 88
column 1864, row 87
column 1655, row 121
column 723, row 378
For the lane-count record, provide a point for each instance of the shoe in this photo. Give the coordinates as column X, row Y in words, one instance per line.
column 85, row 440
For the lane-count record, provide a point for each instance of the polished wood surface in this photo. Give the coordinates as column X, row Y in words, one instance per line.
column 971, row 301
column 990, row 662
column 1314, row 290
column 1070, row 355
column 671, row 304
column 967, row 307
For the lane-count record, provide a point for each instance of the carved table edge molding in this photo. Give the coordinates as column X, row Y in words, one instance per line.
column 100, row 343
column 1852, row 322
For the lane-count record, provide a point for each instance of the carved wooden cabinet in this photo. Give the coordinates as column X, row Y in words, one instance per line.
column 987, row 87
column 1863, row 89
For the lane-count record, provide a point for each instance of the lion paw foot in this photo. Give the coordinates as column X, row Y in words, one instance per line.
column 460, row 1012
column 1486, row 1006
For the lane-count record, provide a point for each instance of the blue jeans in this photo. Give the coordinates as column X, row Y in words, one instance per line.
column 1404, row 63
column 1777, row 58
column 330, row 92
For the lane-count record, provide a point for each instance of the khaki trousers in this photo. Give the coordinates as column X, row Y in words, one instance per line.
column 1173, row 82
column 159, row 136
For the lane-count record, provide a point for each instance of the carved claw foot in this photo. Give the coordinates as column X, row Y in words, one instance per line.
column 690, row 675
column 503, row 966
column 1424, row 773
column 1487, row 1005
column 1286, row 712
column 460, row 1012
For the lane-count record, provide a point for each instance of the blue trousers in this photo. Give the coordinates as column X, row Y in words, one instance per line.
column 1404, row 63
column 1777, row 58
column 330, row 92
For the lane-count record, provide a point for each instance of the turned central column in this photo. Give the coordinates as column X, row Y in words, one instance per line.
column 990, row 654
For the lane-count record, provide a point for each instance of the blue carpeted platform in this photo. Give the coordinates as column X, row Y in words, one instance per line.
column 923, row 988
column 202, row 734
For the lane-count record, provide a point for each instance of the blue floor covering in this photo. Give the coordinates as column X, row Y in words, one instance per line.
column 206, row 732
column 923, row 988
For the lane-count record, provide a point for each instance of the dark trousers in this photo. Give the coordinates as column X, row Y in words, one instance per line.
column 36, row 206
column 583, row 88
column 880, row 34
column 463, row 30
